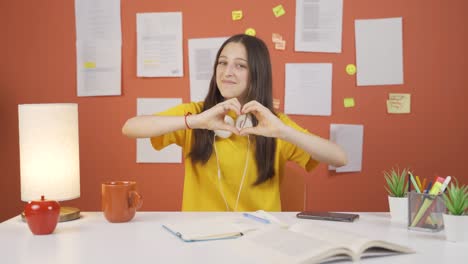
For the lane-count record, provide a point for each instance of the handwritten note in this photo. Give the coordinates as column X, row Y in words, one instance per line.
column 280, row 43
column 399, row 103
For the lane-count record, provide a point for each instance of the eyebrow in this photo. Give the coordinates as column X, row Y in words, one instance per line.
column 225, row 57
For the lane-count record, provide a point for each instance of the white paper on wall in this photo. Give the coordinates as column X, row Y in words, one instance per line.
column 145, row 151
column 308, row 89
column 159, row 45
column 318, row 25
column 98, row 47
column 379, row 51
column 202, row 55
column 350, row 138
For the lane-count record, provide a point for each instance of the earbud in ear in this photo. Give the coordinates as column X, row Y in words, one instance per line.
column 225, row 133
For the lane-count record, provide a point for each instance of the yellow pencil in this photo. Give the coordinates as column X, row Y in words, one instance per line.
column 419, row 184
column 424, row 184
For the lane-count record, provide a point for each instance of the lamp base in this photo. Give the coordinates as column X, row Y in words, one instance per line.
column 66, row 214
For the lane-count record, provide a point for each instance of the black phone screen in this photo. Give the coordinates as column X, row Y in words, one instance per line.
column 329, row 216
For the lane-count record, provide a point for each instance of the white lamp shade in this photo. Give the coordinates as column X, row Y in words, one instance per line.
column 49, row 151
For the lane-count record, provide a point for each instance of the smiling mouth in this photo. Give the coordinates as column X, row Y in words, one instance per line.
column 228, row 82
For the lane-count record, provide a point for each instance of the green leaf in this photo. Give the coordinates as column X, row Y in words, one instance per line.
column 456, row 198
column 396, row 182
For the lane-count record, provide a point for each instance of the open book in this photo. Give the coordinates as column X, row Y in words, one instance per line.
column 312, row 243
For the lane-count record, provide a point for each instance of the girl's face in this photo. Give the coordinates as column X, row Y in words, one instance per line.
column 232, row 72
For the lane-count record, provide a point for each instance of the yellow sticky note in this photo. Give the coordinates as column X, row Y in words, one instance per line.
column 251, row 32
column 348, row 102
column 280, row 45
column 278, row 10
column 351, row 69
column 237, row 15
column 90, row 65
column 399, row 103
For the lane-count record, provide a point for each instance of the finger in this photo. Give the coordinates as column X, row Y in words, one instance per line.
column 228, row 127
column 234, row 104
column 226, row 107
column 252, row 108
column 249, row 104
column 249, row 131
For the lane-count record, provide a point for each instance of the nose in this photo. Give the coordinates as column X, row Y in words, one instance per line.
column 229, row 70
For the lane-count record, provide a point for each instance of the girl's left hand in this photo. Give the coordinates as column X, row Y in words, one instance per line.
column 269, row 125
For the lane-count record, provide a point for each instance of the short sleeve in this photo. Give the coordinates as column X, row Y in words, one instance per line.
column 177, row 137
column 292, row 152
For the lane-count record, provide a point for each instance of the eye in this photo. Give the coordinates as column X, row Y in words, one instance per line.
column 222, row 63
column 241, row 66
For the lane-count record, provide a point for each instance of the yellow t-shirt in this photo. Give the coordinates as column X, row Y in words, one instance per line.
column 202, row 188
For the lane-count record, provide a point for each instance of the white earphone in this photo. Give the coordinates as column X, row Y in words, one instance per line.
column 242, row 121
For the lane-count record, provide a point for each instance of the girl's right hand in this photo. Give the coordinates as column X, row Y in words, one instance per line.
column 213, row 118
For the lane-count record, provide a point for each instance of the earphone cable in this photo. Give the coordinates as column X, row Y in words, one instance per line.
column 245, row 171
column 243, row 175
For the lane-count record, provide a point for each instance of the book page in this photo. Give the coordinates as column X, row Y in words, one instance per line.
column 278, row 245
column 355, row 243
column 339, row 238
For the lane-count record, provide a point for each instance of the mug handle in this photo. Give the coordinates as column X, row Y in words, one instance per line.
column 135, row 200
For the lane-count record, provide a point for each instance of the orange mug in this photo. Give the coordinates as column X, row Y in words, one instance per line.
column 120, row 200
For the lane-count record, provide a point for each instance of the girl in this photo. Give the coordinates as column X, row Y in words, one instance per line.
column 235, row 165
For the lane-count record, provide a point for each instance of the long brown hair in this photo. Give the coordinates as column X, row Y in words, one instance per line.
column 260, row 89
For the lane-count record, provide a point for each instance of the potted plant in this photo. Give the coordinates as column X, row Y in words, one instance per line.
column 456, row 221
column 397, row 188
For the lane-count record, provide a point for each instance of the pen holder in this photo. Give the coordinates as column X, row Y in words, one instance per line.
column 425, row 212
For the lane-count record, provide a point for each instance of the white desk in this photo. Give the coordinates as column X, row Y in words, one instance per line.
column 92, row 239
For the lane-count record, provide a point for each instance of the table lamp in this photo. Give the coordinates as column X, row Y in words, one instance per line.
column 49, row 154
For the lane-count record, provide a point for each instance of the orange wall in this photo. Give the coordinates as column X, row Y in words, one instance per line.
column 38, row 66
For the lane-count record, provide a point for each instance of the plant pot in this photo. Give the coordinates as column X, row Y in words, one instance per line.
column 456, row 227
column 398, row 208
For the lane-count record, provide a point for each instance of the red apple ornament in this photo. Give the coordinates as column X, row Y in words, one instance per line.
column 42, row 216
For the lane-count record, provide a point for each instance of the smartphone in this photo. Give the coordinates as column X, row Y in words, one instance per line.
column 329, row 216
